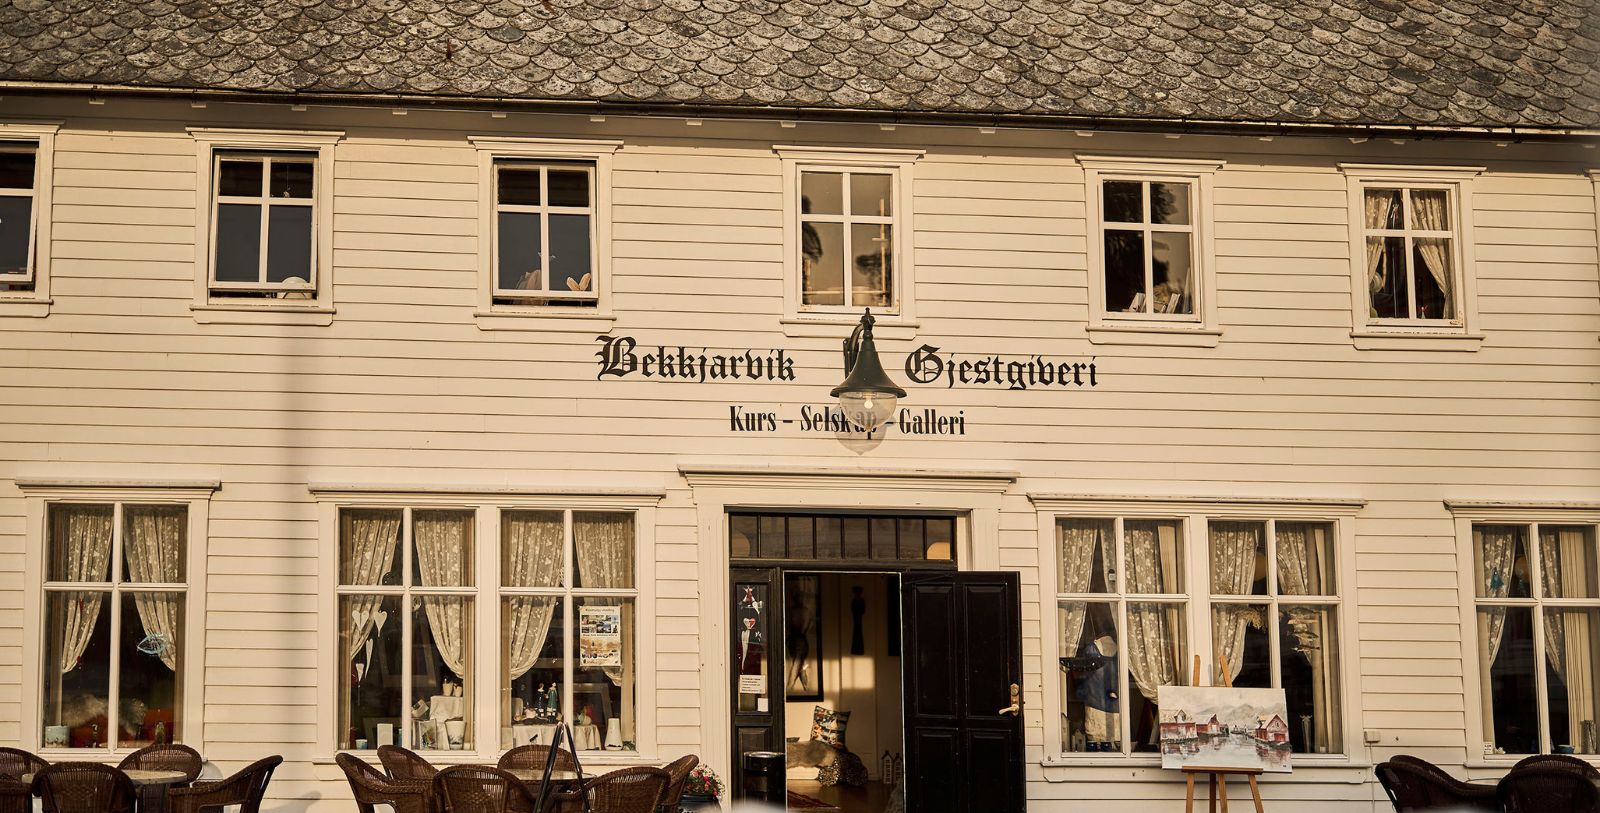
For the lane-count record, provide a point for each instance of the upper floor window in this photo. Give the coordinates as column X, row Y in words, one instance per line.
column 544, row 234
column 1147, row 232
column 1411, row 243
column 18, row 211
column 264, row 225
column 847, row 224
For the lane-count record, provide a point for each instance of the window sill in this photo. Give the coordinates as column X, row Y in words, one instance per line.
column 24, row 306
column 840, row 325
column 1507, row 762
column 1154, row 335
column 563, row 320
column 215, row 313
column 492, row 757
column 1371, row 339
column 1147, row 769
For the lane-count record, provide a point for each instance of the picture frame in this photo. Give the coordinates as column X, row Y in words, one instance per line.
column 802, row 649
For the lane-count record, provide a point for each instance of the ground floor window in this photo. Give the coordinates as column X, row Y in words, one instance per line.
column 1537, row 608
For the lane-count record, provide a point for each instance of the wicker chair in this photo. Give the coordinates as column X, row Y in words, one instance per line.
column 534, row 757
column 1560, row 761
column 1545, row 788
column 83, row 787
column 162, row 757
column 630, row 790
column 371, row 787
column 245, row 788
column 480, row 789
column 1413, row 784
column 405, row 764
column 15, row 796
column 679, row 769
column 15, row 763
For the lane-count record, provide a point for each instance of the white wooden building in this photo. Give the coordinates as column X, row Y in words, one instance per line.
column 347, row 398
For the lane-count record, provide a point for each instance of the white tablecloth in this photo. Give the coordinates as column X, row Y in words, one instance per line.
column 441, row 707
column 584, row 737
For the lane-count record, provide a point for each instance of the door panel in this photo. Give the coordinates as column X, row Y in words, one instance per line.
column 755, row 655
column 963, row 648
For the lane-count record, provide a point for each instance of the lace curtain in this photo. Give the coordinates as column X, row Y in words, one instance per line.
column 531, row 558
column 1496, row 546
column 443, row 543
column 1079, row 542
column 1428, row 213
column 1566, row 634
column 1378, row 204
column 81, row 546
column 1233, row 570
column 1152, row 628
column 370, row 539
column 604, row 543
column 153, row 547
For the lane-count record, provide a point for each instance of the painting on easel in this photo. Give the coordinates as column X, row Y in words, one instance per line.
column 1224, row 727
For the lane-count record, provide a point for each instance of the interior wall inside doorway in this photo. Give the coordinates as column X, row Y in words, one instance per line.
column 866, row 685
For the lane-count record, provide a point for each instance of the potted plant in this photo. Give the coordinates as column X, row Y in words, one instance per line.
column 702, row 789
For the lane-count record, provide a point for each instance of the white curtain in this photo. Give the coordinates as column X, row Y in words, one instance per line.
column 1564, row 561
column 1301, row 552
column 1078, row 545
column 81, row 542
column 443, row 541
column 1233, row 571
column 1496, row 547
column 1152, row 628
column 154, row 549
column 370, row 540
column 1428, row 213
column 532, row 558
column 604, row 545
column 1378, row 205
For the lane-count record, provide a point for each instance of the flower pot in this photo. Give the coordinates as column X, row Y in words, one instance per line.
column 700, row 802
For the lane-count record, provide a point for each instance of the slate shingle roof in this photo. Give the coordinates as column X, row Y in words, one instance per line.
column 1444, row 63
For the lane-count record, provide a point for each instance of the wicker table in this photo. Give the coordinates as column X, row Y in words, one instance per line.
column 151, row 786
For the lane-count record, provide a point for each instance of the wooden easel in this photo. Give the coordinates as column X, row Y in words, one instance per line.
column 1218, row 776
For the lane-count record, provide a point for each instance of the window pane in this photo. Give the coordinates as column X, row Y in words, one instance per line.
column 571, row 263
column 518, row 245
column 569, row 188
column 1305, row 559
column 1567, row 561
column 1172, row 268
column 1123, row 201
column 941, row 540
column 1124, row 261
column 531, row 659
column 802, row 538
column 912, row 532
column 150, row 679
column 16, row 169
column 873, row 270
column 604, row 677
column 292, row 179
column 370, row 634
column 238, row 253
column 16, row 230
column 1571, row 652
column 1500, row 558
column 441, row 548
column 883, row 538
column 830, row 538
column 1169, row 203
column 855, row 538
column 1088, row 560
column 821, row 193
column 1432, row 263
column 605, row 547
column 742, row 533
column 531, row 548
column 1386, row 277
column 441, row 669
column 519, row 186
column 822, row 263
column 1240, row 637
column 241, row 178
column 774, row 541
column 1157, row 656
column 1308, row 665
column 369, row 546
column 1091, row 719
column 1154, row 552
column 1238, row 558
column 1430, row 209
column 1383, row 210
column 77, row 669
column 752, row 629
column 80, row 543
column 289, row 244
column 154, row 542
column 871, row 194
column 1505, row 663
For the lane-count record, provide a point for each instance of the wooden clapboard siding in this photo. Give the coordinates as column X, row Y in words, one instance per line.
column 120, row 381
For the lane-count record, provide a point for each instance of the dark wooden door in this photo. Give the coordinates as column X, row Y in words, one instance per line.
column 755, row 642
column 963, row 664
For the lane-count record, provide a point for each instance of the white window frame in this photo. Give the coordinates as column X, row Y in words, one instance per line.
column 1196, row 513
column 1198, row 329
column 42, row 493
column 40, row 138
column 544, row 209
column 488, row 503
column 492, row 315
column 1466, row 514
column 899, row 320
column 267, row 203
column 291, row 306
column 1372, row 333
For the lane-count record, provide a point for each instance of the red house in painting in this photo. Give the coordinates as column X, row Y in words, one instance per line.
column 1180, row 727
column 1272, row 730
column 1213, row 728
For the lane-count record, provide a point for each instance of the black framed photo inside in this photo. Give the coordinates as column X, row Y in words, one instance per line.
column 802, row 666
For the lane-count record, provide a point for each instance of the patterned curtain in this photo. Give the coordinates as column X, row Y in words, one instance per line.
column 1078, row 545
column 1428, row 212
column 1152, row 627
column 1496, row 546
column 81, row 546
column 442, row 540
column 1563, row 562
column 532, row 558
column 1233, row 560
column 154, row 550
column 367, row 555
column 1378, row 205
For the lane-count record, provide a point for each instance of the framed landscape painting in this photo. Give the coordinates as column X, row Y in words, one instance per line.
column 1224, row 727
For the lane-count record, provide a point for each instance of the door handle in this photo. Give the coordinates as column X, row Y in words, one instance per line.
column 1016, row 701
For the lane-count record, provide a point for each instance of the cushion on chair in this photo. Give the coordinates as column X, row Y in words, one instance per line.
column 828, row 726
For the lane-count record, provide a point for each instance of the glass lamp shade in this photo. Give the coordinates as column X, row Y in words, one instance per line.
column 867, row 410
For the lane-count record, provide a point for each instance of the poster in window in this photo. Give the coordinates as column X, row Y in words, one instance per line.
column 600, row 635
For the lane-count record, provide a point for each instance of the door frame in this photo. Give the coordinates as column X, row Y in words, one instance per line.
column 716, row 488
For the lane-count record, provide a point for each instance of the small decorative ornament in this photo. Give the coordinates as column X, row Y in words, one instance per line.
column 156, row 643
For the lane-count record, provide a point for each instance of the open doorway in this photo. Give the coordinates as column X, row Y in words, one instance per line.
column 842, row 690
